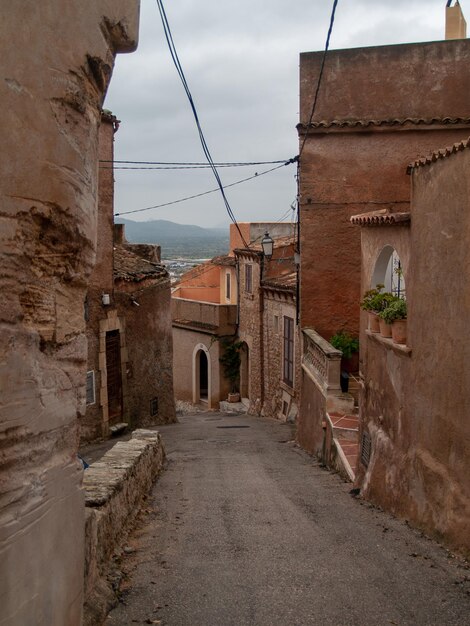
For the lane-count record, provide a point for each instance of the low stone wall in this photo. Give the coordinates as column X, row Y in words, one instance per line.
column 114, row 488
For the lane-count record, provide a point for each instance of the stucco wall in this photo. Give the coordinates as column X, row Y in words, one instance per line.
column 415, row 406
column 186, row 343
column 53, row 82
column 355, row 165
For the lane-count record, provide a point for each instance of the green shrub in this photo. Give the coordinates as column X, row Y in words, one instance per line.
column 347, row 343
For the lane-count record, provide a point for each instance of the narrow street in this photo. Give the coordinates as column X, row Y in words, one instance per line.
column 244, row 528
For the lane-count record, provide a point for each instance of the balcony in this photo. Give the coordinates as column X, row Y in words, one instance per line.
column 206, row 317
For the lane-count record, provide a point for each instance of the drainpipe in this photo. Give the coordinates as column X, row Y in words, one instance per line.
column 261, row 331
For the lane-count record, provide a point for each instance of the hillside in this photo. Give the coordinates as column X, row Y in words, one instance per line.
column 178, row 240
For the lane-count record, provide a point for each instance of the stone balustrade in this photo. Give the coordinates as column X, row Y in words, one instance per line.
column 321, row 361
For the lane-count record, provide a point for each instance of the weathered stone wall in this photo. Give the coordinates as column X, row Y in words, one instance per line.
column 114, row 489
column 94, row 423
column 414, row 405
column 276, row 391
column 250, row 325
column 371, row 121
column 149, row 342
column 53, row 82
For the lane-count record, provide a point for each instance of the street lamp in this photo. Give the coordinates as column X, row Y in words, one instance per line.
column 267, row 244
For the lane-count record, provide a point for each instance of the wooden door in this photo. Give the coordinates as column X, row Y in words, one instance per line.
column 114, row 376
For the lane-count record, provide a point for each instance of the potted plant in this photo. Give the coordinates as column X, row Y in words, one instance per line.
column 395, row 314
column 230, row 361
column 384, row 325
column 349, row 346
column 367, row 305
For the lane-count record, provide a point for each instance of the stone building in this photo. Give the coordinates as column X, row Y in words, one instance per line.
column 129, row 376
column 204, row 313
column 415, row 430
column 53, row 83
column 208, row 308
column 268, row 328
column 371, row 120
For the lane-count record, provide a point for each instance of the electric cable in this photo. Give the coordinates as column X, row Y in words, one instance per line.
column 205, row 147
column 320, row 76
column 205, row 193
column 189, row 164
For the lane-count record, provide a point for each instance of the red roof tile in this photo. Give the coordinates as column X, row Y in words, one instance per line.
column 439, row 154
column 381, row 218
column 415, row 121
column 131, row 267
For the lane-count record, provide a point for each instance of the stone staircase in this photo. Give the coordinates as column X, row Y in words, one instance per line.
column 343, row 437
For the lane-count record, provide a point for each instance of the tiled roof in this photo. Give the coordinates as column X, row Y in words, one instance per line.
column 225, row 260
column 134, row 268
column 416, row 121
column 381, row 218
column 286, row 282
column 439, row 154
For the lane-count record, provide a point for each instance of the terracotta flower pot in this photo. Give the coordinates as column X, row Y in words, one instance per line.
column 373, row 322
column 234, row 397
column 385, row 329
column 399, row 331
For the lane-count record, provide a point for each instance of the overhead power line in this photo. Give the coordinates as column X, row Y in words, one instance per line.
column 205, row 147
column 320, row 75
column 183, row 165
column 205, row 193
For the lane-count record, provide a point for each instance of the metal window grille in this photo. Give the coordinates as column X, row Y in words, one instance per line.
column 288, row 370
column 366, row 446
column 249, row 278
column 90, row 387
column 227, row 286
column 154, row 407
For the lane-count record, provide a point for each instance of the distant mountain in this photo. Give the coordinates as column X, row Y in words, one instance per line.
column 155, row 231
column 178, row 240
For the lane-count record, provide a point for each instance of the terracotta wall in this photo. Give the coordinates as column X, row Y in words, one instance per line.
column 415, row 406
column 254, row 232
column 358, row 162
column 53, row 83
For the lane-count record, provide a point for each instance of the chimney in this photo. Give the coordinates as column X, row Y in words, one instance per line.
column 119, row 236
column 456, row 26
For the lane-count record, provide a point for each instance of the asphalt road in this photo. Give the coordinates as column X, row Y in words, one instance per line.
column 243, row 528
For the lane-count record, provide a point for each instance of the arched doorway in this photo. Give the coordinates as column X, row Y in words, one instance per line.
column 244, row 371
column 202, row 380
column 203, row 376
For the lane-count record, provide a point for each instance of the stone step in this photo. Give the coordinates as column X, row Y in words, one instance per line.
column 117, row 429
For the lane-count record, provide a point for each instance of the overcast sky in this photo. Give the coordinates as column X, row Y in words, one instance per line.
column 241, row 61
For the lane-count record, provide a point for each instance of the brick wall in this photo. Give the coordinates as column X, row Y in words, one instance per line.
column 352, row 164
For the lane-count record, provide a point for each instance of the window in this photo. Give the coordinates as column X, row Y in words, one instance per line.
column 227, row 286
column 90, row 387
column 249, row 278
column 288, row 374
column 154, row 407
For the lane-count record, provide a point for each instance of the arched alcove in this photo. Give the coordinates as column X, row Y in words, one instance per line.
column 389, row 272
